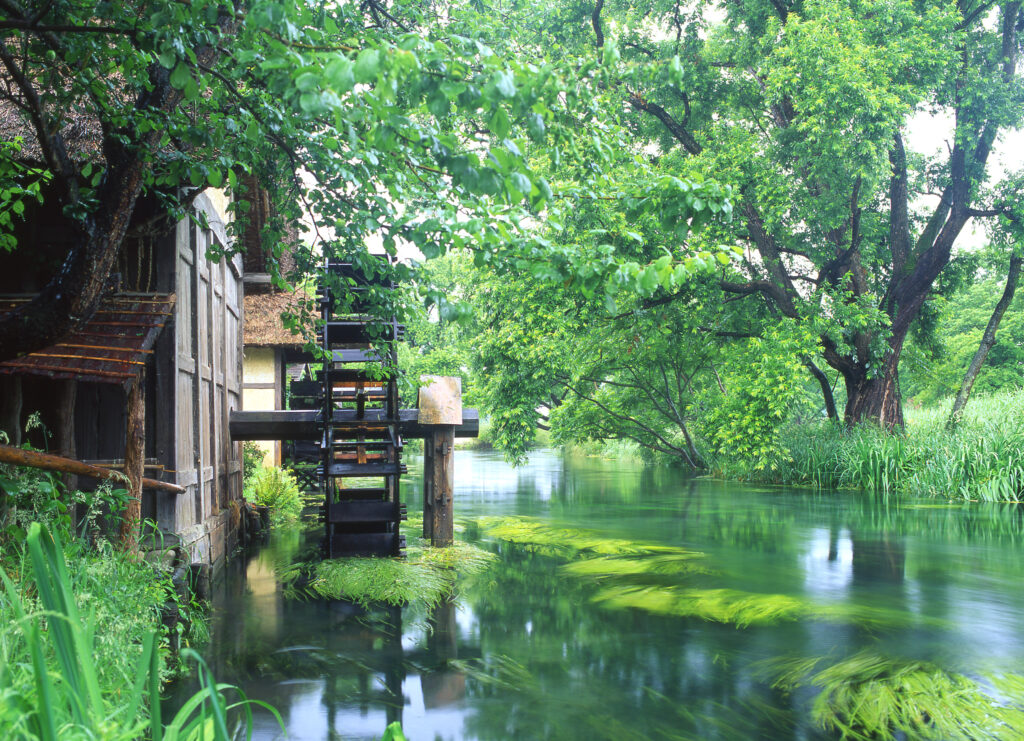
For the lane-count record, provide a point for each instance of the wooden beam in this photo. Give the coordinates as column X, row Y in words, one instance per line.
column 47, row 462
column 303, row 424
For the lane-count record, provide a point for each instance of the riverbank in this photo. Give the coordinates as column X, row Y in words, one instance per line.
column 982, row 459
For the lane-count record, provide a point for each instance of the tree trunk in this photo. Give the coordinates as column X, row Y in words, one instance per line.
column 876, row 398
column 134, row 463
column 826, row 388
column 73, row 295
column 987, row 341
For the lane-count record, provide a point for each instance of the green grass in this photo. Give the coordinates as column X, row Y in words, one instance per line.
column 58, row 680
column 981, row 460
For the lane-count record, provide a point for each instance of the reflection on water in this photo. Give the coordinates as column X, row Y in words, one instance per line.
column 532, row 649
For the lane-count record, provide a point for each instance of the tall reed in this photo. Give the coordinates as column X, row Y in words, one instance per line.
column 982, row 459
column 50, row 687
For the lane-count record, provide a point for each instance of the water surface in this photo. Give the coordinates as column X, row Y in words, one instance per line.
column 530, row 650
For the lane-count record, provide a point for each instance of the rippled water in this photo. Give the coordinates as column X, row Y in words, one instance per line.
column 533, row 650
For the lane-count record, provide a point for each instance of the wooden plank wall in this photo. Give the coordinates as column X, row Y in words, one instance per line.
column 208, row 373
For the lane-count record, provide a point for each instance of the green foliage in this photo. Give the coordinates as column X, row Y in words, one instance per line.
column 252, row 460
column 68, row 673
column 275, row 488
column 425, row 577
column 745, row 424
column 384, row 580
column 980, row 460
column 871, row 696
column 933, row 373
column 21, row 185
column 33, row 495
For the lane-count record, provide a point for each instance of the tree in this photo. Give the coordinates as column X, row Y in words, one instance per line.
column 805, row 107
column 391, row 122
column 988, row 338
column 340, row 111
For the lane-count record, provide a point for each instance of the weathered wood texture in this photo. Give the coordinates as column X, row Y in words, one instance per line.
column 442, row 484
column 440, row 400
column 303, row 424
column 134, row 462
column 64, row 434
column 10, row 408
column 47, row 462
column 207, row 377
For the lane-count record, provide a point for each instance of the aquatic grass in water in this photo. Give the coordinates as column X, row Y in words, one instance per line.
column 871, row 696
column 388, row 581
column 561, row 541
column 742, row 609
column 606, row 567
column 426, row 576
column 629, row 573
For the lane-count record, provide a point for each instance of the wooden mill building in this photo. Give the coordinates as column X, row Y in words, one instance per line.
column 174, row 318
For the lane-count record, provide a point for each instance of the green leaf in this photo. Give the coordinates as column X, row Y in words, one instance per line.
column 500, row 124
column 535, row 127
column 367, row 65
column 439, row 105
column 181, row 76
column 505, row 84
column 307, row 82
column 340, row 74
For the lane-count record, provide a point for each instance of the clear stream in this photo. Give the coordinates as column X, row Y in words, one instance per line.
column 531, row 650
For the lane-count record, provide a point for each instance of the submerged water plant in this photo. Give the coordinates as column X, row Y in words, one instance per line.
column 389, row 581
column 564, row 541
column 426, row 576
column 871, row 696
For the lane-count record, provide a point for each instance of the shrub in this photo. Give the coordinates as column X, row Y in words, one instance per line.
column 252, row 459
column 277, row 489
column 99, row 693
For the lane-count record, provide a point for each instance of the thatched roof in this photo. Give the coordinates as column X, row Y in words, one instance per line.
column 81, row 132
column 263, row 325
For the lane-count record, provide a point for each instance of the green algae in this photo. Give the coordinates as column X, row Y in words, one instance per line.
column 873, row 696
column 563, row 541
column 743, row 609
column 607, row 567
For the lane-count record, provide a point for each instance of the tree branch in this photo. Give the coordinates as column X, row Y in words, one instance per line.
column 680, row 132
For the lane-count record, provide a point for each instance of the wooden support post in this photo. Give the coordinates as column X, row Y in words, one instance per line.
column 134, row 462
column 10, row 409
column 440, row 410
column 442, row 442
column 428, row 487
column 65, row 428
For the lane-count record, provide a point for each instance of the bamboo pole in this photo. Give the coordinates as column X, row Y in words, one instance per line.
column 45, row 461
